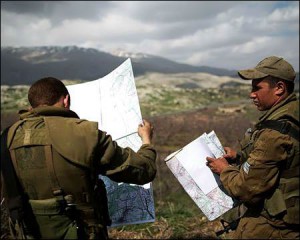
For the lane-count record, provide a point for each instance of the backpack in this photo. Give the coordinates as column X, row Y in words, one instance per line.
column 29, row 218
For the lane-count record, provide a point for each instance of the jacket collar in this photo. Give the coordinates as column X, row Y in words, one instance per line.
column 47, row 111
column 274, row 109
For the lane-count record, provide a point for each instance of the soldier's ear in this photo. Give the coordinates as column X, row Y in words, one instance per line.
column 280, row 88
column 67, row 101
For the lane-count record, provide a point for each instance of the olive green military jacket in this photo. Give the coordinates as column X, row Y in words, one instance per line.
column 76, row 151
column 258, row 178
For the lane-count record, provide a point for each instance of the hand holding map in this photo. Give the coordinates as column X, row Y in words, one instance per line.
column 145, row 131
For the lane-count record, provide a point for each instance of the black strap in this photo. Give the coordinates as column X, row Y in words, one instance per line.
column 7, row 168
column 12, row 185
column 283, row 127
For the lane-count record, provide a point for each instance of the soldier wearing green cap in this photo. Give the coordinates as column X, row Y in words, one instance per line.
column 57, row 159
column 264, row 175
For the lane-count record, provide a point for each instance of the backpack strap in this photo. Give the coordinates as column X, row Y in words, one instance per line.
column 285, row 127
column 281, row 126
column 56, row 189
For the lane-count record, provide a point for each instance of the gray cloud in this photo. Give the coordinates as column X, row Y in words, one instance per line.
column 58, row 11
column 177, row 11
column 25, row 7
column 214, row 33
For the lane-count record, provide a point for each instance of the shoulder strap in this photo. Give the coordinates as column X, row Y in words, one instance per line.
column 12, row 185
column 282, row 126
column 56, row 188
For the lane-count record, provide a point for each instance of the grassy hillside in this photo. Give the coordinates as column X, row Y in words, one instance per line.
column 159, row 93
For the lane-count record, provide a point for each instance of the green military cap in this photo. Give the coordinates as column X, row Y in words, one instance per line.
column 270, row 66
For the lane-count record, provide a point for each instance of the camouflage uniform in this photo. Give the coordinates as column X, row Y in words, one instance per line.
column 267, row 179
column 53, row 150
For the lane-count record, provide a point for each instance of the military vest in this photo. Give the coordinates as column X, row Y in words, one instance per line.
column 284, row 201
column 52, row 157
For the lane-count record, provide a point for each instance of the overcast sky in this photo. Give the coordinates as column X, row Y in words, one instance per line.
column 225, row 34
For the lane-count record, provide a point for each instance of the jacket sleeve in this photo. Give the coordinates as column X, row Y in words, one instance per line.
column 252, row 181
column 123, row 164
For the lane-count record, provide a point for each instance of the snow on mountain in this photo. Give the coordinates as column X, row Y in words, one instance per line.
column 122, row 53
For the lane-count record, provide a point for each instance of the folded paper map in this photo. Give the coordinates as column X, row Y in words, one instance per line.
column 189, row 167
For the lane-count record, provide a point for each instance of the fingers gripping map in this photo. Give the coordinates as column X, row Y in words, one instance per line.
column 112, row 101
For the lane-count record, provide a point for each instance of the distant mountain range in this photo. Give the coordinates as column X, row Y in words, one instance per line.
column 24, row 65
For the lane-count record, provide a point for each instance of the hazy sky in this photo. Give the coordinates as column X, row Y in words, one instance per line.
column 232, row 35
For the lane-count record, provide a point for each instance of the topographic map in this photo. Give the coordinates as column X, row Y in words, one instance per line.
column 119, row 102
column 113, row 102
column 188, row 166
column 134, row 203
